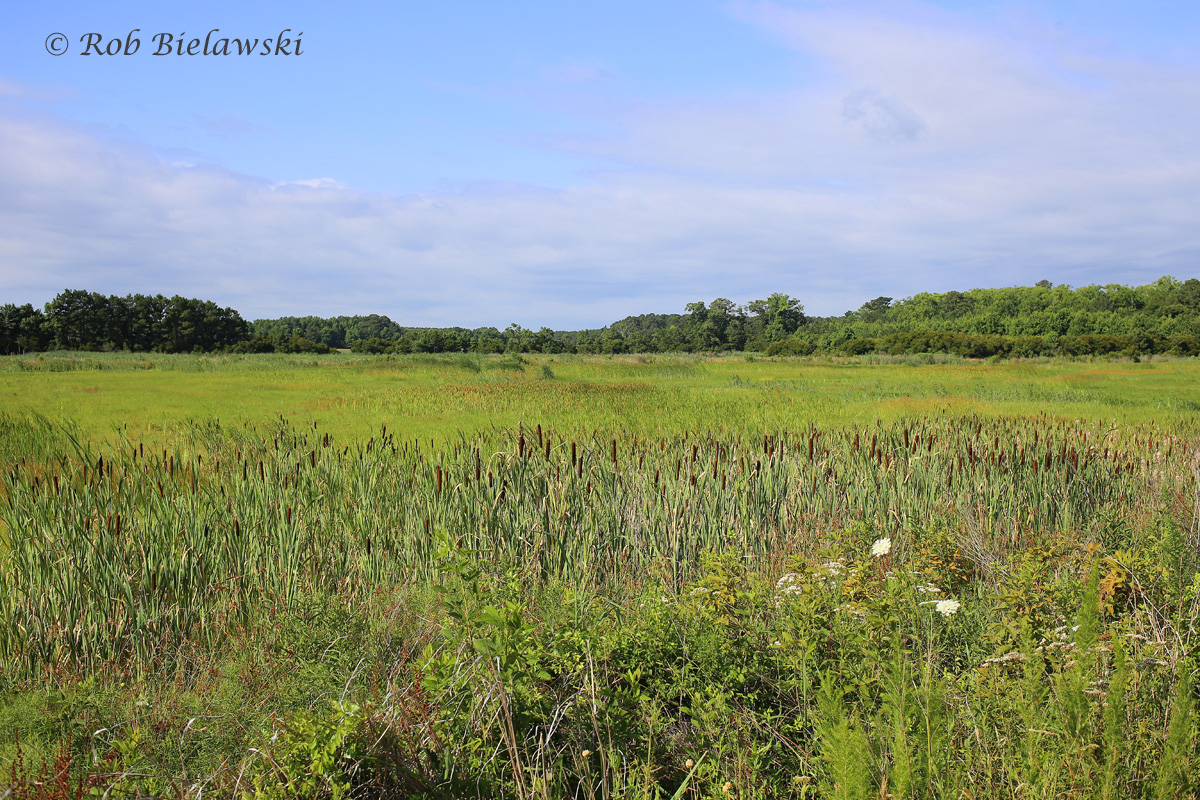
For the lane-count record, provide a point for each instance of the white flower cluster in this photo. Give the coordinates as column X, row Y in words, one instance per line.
column 854, row 610
column 830, row 571
column 1007, row 658
column 790, row 583
column 881, row 547
column 947, row 608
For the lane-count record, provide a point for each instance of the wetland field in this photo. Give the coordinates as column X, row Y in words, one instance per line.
column 598, row 577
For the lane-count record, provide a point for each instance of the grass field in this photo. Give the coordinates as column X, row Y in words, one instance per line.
column 444, row 396
column 452, row 576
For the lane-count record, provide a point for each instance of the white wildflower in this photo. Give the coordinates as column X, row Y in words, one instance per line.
column 790, row 583
column 853, row 610
column 947, row 608
column 1005, row 659
column 881, row 547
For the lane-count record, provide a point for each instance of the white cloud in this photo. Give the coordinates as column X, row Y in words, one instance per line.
column 921, row 153
column 315, row 183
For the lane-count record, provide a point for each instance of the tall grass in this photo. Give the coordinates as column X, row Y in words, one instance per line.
column 696, row 608
column 118, row 557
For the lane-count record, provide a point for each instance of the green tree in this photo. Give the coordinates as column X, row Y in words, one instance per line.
column 22, row 329
column 78, row 320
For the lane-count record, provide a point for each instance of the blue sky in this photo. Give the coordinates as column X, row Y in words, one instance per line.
column 568, row 164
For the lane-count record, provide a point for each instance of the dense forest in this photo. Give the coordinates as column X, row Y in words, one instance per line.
column 1161, row 317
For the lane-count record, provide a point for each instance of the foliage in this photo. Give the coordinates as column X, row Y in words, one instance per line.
column 935, row 604
column 1014, row 322
column 81, row 320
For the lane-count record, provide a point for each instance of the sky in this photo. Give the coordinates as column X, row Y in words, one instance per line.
column 566, row 164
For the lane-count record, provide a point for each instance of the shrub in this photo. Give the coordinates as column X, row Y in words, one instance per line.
column 791, row 347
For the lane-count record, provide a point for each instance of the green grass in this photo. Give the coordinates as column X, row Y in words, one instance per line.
column 442, row 397
column 644, row 577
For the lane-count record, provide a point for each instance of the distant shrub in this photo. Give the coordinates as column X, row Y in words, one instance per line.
column 374, row 345
column 791, row 347
column 274, row 344
column 1094, row 344
column 858, row 347
column 1185, row 345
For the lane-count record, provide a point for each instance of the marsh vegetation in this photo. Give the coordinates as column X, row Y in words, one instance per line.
column 453, row 576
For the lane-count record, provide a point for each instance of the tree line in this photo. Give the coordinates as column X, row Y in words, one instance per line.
column 82, row 320
column 1044, row 319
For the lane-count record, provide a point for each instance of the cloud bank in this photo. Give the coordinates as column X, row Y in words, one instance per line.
column 919, row 152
